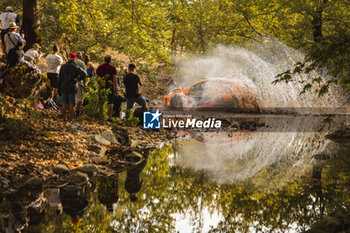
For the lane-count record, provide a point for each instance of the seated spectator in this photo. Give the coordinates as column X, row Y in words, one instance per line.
column 32, row 55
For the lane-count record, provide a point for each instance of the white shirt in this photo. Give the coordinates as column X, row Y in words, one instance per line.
column 15, row 37
column 54, row 62
column 32, row 54
column 6, row 18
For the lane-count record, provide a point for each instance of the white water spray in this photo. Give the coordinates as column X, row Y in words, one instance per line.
column 255, row 68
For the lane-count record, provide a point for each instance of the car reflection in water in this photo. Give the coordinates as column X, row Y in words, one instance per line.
column 288, row 143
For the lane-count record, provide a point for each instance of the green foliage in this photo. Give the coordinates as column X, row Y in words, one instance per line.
column 330, row 54
column 129, row 119
column 95, row 95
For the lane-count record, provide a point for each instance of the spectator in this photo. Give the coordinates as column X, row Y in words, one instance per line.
column 6, row 18
column 14, row 44
column 79, row 61
column 132, row 82
column 54, row 61
column 81, row 85
column 32, row 55
column 107, row 72
column 68, row 76
column 90, row 69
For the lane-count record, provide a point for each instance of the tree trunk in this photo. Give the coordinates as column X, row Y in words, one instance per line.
column 31, row 23
column 317, row 21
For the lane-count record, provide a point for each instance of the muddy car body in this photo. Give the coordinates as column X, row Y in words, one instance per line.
column 221, row 94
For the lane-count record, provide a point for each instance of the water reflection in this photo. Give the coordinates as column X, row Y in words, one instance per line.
column 280, row 150
column 186, row 192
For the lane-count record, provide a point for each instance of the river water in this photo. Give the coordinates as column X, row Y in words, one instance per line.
column 280, row 178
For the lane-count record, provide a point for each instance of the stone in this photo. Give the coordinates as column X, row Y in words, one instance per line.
column 100, row 160
column 90, row 169
column 23, row 81
column 133, row 156
column 61, row 169
column 122, row 135
column 134, row 143
column 34, row 182
column 109, row 136
column 101, row 140
column 5, row 183
column 94, row 148
column 79, row 178
column 75, row 127
column 99, row 150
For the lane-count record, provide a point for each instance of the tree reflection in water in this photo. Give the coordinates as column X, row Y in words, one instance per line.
column 263, row 203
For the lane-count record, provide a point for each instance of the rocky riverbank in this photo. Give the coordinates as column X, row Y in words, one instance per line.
column 53, row 146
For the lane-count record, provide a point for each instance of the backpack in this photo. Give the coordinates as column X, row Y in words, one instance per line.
column 15, row 54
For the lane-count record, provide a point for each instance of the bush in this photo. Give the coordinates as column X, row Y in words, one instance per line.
column 95, row 93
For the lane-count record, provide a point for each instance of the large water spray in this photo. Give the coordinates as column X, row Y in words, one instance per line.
column 255, row 68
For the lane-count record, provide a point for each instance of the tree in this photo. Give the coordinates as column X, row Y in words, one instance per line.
column 31, row 23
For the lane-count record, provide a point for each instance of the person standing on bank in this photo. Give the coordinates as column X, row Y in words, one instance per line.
column 69, row 74
column 81, row 85
column 14, row 44
column 6, row 18
column 54, row 61
column 132, row 82
column 108, row 72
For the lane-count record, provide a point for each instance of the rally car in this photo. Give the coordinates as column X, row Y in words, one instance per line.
column 212, row 94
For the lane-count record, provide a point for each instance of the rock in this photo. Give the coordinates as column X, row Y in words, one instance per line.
column 100, row 160
column 34, row 182
column 61, row 169
column 4, row 183
column 79, row 178
column 109, row 136
column 23, row 81
column 122, row 135
column 100, row 150
column 75, row 127
column 101, row 140
column 133, row 156
column 90, row 169
column 134, row 143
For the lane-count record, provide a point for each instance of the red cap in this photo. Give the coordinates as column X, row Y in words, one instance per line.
column 72, row 55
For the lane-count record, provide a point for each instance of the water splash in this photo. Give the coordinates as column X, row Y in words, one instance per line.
column 255, row 67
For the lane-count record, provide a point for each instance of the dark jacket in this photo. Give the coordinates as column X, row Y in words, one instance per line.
column 68, row 76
